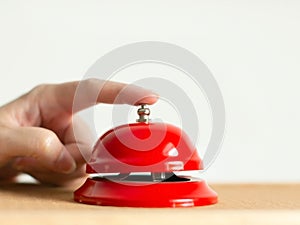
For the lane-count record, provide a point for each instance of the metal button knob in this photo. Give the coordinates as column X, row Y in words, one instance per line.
column 143, row 114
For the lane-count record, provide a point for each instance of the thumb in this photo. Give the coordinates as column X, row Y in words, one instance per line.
column 38, row 143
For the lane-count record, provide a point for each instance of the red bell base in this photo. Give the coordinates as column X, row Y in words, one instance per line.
column 101, row 191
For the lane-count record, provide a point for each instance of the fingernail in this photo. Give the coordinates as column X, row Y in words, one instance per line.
column 65, row 163
column 148, row 99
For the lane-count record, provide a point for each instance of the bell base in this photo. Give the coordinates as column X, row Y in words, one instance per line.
column 105, row 192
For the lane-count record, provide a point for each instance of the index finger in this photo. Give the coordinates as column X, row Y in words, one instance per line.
column 78, row 95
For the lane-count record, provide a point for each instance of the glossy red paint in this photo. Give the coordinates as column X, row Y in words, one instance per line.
column 162, row 194
column 144, row 147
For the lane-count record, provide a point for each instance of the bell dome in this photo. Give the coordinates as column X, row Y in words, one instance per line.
column 144, row 147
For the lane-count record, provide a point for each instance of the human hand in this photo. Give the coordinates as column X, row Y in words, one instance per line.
column 36, row 130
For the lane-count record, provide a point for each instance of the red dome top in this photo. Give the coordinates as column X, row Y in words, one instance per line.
column 144, row 147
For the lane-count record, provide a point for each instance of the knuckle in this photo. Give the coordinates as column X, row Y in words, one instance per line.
column 39, row 88
column 46, row 143
column 91, row 83
column 35, row 92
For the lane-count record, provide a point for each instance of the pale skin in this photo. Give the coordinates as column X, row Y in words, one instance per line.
column 36, row 130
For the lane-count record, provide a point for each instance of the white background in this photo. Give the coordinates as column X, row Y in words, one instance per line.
column 251, row 47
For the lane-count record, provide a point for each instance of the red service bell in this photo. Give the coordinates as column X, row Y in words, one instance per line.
column 135, row 165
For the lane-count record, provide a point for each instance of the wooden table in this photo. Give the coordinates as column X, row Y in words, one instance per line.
column 238, row 204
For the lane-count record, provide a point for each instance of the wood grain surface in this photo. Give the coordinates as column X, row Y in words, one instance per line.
column 238, row 204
